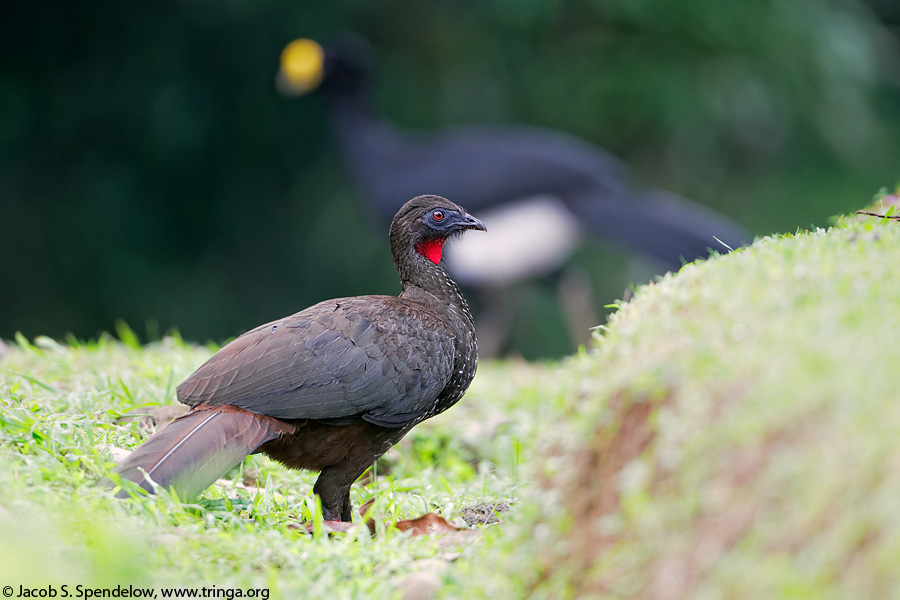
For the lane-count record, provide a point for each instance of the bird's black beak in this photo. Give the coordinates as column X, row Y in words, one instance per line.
column 467, row 221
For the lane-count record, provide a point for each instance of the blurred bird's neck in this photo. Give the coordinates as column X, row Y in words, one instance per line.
column 367, row 143
column 352, row 109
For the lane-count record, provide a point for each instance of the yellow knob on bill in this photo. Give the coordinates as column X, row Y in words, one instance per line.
column 302, row 67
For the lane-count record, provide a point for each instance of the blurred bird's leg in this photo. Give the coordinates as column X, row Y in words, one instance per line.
column 576, row 298
column 495, row 319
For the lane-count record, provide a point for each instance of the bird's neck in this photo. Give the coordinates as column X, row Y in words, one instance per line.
column 427, row 282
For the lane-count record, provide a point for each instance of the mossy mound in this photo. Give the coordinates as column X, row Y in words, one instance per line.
column 735, row 433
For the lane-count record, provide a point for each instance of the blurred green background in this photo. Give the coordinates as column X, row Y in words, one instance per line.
column 150, row 171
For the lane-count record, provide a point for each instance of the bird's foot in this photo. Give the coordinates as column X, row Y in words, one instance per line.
column 329, row 527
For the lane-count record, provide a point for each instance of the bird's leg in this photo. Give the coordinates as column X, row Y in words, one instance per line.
column 331, row 495
column 346, row 508
column 333, row 489
column 333, row 485
column 577, row 301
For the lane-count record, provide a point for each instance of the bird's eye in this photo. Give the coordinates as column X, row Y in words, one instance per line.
column 438, row 215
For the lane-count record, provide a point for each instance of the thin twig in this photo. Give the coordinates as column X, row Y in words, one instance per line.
column 871, row 214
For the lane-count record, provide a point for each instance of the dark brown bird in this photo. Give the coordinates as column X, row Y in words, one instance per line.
column 332, row 387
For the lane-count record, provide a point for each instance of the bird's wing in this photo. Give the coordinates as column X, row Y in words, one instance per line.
column 374, row 358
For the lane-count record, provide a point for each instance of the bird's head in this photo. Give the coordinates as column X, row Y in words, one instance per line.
column 341, row 65
column 424, row 223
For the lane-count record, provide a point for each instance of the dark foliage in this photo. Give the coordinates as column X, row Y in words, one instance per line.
column 150, row 171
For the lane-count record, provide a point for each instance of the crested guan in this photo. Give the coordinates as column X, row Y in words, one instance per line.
column 332, row 387
column 539, row 190
column 492, row 167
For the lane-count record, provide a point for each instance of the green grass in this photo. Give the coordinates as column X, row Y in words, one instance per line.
column 58, row 405
column 732, row 434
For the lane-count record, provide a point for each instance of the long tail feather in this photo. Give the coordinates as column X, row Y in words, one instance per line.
column 191, row 452
column 660, row 225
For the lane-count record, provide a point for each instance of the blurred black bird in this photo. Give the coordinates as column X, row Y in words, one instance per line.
column 332, row 387
column 537, row 189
